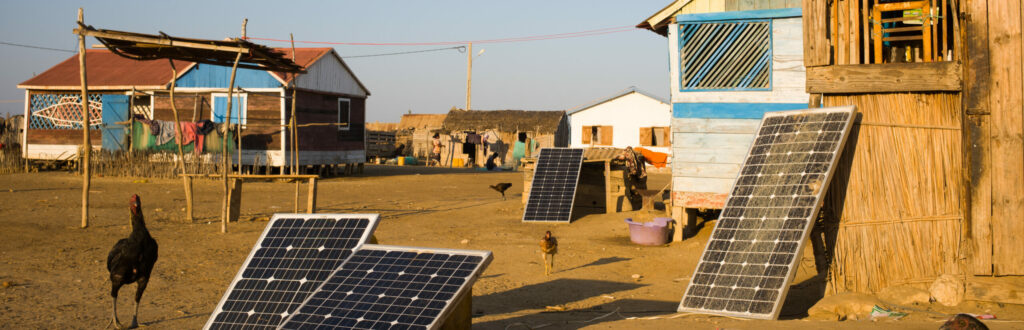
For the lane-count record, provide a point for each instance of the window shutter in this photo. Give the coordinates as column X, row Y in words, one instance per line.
column 586, row 136
column 667, row 137
column 646, row 136
column 606, row 135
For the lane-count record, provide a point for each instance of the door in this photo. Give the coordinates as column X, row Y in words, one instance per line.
column 115, row 110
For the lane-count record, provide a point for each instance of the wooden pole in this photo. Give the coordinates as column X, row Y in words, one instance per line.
column 245, row 21
column 177, row 124
column 294, row 127
column 86, row 143
column 226, row 157
column 469, row 76
column 131, row 122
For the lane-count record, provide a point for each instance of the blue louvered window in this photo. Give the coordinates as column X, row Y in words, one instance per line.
column 723, row 56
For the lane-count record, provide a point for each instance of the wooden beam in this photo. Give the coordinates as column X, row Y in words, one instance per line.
column 882, row 78
column 311, row 202
column 159, row 41
column 978, row 128
column 1005, row 45
column 86, row 144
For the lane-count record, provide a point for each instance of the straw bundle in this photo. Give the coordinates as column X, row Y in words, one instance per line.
column 899, row 192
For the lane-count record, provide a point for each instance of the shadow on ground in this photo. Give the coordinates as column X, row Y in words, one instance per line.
column 550, row 293
column 575, row 319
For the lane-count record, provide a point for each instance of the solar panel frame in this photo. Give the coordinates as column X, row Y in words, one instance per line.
column 463, row 290
column 815, row 208
column 373, row 219
column 535, row 184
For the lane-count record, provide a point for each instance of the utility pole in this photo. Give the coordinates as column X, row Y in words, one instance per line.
column 469, row 76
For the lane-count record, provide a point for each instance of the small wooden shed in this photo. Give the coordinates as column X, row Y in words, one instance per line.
column 416, row 132
column 730, row 62
column 932, row 179
column 543, row 128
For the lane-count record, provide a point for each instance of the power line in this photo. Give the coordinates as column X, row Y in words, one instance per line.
column 566, row 35
column 460, row 48
column 36, row 47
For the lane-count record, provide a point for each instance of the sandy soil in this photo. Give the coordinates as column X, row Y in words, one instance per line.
column 59, row 280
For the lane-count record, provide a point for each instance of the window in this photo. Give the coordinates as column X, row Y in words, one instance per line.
column 735, row 55
column 654, row 136
column 597, row 135
column 344, row 114
column 220, row 106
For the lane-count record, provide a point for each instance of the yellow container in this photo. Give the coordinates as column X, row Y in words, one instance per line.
column 401, row 161
column 457, row 162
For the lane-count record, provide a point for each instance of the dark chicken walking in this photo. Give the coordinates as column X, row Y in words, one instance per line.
column 131, row 260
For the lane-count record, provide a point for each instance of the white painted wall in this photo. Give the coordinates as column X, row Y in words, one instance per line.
column 329, row 75
column 626, row 114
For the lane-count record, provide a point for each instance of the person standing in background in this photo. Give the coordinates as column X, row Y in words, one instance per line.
column 435, row 151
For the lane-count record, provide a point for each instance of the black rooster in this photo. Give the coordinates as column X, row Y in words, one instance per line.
column 501, row 187
column 131, row 260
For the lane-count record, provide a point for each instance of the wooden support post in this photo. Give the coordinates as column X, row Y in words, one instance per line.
column 177, row 125
column 87, row 144
column 188, row 198
column 235, row 208
column 609, row 200
column 677, row 216
column 311, row 203
column 225, row 156
column 238, row 147
column 461, row 317
column 131, row 122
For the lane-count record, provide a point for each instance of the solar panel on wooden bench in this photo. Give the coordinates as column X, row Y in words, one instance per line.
column 750, row 258
column 554, row 185
column 391, row 287
column 293, row 256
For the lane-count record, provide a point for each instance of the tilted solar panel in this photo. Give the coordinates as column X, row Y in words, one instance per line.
column 293, row 256
column 392, row 287
column 554, row 185
column 750, row 258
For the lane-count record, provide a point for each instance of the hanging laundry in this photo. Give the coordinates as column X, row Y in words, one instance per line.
column 166, row 132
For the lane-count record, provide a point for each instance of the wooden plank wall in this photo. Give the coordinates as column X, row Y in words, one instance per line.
column 708, row 155
column 1004, row 24
column 978, row 123
column 261, row 109
column 715, row 6
column 323, row 108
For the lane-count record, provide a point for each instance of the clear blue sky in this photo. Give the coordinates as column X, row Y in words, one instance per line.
column 536, row 75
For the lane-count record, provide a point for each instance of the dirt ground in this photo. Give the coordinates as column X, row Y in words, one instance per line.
column 58, row 278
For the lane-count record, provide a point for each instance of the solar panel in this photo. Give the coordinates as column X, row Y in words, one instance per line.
column 391, row 287
column 750, row 258
column 293, row 256
column 554, row 185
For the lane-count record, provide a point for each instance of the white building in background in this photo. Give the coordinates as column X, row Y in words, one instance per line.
column 629, row 118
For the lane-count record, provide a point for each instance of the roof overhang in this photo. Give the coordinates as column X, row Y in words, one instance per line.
column 658, row 23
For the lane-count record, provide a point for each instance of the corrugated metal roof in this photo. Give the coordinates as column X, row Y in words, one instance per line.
column 624, row 92
column 106, row 70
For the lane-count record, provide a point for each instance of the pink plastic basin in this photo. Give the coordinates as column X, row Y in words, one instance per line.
column 649, row 233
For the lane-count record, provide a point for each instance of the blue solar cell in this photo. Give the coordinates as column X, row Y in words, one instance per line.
column 554, row 185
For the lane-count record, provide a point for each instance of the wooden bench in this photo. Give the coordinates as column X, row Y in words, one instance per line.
column 235, row 190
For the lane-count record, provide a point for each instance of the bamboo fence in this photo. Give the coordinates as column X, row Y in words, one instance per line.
column 899, row 192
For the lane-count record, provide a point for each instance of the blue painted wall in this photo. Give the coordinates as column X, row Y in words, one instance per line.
column 215, row 76
column 730, row 110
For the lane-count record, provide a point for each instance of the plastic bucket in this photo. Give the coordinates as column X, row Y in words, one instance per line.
column 457, row 162
column 401, row 161
column 649, row 233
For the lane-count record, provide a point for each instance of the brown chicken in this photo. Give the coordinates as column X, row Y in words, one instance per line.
column 548, row 248
column 501, row 187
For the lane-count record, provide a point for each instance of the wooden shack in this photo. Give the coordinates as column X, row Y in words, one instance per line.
column 329, row 94
column 730, row 62
column 416, row 131
column 932, row 179
column 542, row 128
column 602, row 186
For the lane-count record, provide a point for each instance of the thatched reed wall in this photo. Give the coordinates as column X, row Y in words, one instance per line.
column 899, row 192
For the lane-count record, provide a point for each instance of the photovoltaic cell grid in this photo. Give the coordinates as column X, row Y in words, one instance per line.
column 388, row 287
column 554, row 185
column 294, row 255
column 746, row 267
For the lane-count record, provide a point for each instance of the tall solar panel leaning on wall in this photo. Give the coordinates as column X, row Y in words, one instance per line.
column 553, row 189
column 753, row 251
column 293, row 256
column 392, row 287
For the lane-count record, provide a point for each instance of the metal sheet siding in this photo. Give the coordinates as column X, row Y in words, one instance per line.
column 215, row 76
column 329, row 75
